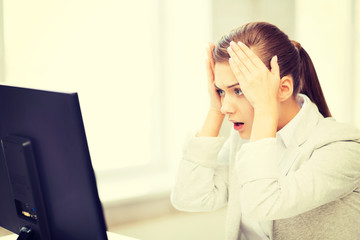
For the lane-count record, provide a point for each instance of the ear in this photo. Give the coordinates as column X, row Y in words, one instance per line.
column 286, row 88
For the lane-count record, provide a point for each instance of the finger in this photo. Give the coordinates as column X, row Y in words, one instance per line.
column 235, row 58
column 211, row 45
column 208, row 53
column 246, row 61
column 210, row 50
column 240, row 65
column 237, row 72
column 209, row 71
column 275, row 69
column 256, row 61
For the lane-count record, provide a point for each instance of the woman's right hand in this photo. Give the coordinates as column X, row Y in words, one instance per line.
column 215, row 101
column 214, row 119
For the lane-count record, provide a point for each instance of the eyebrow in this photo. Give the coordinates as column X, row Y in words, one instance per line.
column 227, row 86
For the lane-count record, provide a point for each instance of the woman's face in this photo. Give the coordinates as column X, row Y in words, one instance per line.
column 233, row 102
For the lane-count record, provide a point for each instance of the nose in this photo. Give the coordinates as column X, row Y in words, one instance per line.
column 227, row 106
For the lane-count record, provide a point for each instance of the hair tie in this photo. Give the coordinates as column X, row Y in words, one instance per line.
column 296, row 44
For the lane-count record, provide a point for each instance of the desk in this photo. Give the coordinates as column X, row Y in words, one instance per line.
column 111, row 236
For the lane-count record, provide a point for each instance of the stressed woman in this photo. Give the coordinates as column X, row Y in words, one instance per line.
column 288, row 170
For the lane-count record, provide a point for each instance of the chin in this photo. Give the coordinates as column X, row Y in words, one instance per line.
column 244, row 135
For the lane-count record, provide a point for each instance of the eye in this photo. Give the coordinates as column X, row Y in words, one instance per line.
column 220, row 92
column 238, row 91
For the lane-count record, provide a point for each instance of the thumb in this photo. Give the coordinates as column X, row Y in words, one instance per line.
column 275, row 66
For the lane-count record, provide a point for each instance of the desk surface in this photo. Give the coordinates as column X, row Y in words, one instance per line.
column 111, row 236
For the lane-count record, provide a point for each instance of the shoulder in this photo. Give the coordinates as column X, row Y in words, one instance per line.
column 329, row 131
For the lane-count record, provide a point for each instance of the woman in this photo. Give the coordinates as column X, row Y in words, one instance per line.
column 288, row 170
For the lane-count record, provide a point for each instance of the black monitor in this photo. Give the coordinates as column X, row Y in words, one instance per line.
column 47, row 182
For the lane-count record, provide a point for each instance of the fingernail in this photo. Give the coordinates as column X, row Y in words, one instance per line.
column 276, row 58
column 229, row 49
column 232, row 43
column 240, row 43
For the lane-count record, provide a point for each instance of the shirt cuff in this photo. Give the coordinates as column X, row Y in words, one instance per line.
column 257, row 160
column 203, row 150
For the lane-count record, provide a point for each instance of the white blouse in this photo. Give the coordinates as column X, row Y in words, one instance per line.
column 272, row 178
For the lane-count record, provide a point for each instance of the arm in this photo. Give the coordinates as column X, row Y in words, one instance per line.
column 212, row 124
column 332, row 172
column 201, row 184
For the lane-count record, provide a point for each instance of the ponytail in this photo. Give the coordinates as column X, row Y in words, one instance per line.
column 310, row 82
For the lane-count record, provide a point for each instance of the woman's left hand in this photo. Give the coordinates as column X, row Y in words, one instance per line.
column 259, row 85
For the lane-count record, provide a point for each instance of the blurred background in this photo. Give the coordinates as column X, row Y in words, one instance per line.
column 139, row 69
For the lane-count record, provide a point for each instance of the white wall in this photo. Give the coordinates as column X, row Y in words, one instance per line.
column 326, row 29
column 230, row 14
column 102, row 49
column 114, row 54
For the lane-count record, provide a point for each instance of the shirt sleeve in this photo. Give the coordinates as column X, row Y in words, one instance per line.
column 202, row 179
column 332, row 172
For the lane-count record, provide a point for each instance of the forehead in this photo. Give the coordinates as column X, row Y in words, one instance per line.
column 223, row 75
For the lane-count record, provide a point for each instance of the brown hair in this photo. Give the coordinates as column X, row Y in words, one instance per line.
column 266, row 40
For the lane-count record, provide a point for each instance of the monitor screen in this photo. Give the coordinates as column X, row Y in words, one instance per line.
column 47, row 182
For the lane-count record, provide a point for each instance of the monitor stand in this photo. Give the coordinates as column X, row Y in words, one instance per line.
column 25, row 234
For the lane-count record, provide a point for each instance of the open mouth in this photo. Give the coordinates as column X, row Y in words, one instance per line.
column 238, row 125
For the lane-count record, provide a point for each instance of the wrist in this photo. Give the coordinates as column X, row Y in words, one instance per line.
column 269, row 113
column 212, row 124
column 270, row 109
column 265, row 123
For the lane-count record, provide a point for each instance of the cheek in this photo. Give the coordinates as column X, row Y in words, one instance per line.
column 250, row 110
column 246, row 109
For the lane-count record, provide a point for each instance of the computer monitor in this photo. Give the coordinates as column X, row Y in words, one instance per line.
column 47, row 182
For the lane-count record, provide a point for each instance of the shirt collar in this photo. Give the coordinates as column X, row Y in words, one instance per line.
column 298, row 129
